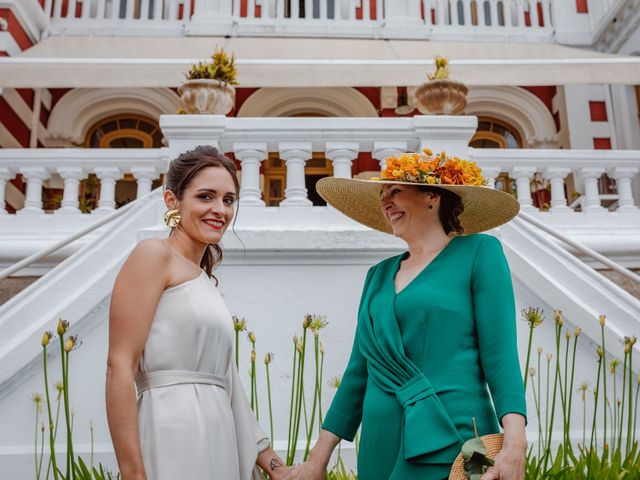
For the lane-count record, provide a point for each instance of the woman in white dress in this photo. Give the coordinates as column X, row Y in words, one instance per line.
column 171, row 344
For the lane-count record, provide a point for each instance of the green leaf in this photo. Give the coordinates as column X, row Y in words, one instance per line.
column 473, row 445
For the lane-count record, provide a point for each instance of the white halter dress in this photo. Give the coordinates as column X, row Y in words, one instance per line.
column 194, row 418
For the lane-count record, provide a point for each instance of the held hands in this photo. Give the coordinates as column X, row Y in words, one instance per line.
column 310, row 470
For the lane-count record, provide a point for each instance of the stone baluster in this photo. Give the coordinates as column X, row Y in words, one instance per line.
column 382, row 150
column 556, row 176
column 523, row 178
column 144, row 178
column 342, row 154
column 490, row 174
column 590, row 177
column 295, row 155
column 533, row 14
column 33, row 200
column 108, row 177
column 251, row 155
column 623, row 177
column 5, row 176
column 71, row 177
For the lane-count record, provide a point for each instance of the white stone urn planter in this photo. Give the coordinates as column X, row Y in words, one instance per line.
column 441, row 97
column 202, row 96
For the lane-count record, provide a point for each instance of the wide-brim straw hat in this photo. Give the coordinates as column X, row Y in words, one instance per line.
column 493, row 444
column 484, row 207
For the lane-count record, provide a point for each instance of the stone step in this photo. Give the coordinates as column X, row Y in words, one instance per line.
column 9, row 287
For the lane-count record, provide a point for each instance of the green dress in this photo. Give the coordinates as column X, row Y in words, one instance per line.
column 422, row 360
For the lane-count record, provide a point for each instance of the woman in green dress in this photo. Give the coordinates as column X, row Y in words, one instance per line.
column 436, row 327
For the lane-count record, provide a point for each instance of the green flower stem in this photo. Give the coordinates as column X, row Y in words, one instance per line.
column 546, row 407
column 526, row 368
column 584, row 421
column 635, row 411
column 536, row 401
column 35, row 442
column 320, row 420
column 613, row 432
column 565, row 407
column 237, row 349
column 55, row 429
column 291, row 403
column 70, row 474
column 52, row 456
column 556, row 383
column 592, row 446
column 300, row 392
column 39, row 470
column 269, row 397
column 570, row 391
column 624, row 391
column 630, row 414
column 604, row 386
column 252, row 374
column 538, row 406
column 615, row 412
column 315, row 396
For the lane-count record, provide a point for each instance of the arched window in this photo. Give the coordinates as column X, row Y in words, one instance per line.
column 493, row 133
column 120, row 131
column 125, row 131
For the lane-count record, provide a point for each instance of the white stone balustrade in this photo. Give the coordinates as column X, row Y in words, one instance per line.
column 408, row 19
column 73, row 165
column 251, row 156
column 295, row 155
column 342, row 140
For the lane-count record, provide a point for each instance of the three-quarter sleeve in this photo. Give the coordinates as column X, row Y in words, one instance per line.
column 494, row 312
column 345, row 413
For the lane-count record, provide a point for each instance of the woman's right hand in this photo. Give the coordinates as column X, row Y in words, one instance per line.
column 310, row 470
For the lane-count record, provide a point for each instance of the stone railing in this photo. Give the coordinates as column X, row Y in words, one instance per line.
column 69, row 166
column 340, row 140
column 419, row 19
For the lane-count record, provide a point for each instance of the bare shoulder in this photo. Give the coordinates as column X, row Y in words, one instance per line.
column 150, row 260
column 151, row 249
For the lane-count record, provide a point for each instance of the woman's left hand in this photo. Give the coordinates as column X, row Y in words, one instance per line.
column 509, row 465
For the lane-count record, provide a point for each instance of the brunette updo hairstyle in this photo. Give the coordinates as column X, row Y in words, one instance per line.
column 183, row 170
column 451, row 207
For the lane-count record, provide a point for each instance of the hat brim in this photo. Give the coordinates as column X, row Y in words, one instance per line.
column 492, row 442
column 484, row 207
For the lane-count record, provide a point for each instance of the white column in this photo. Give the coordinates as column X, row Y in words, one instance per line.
column 71, row 177
column 144, row 178
column 251, row 155
column 295, row 155
column 556, row 176
column 5, row 176
column 491, row 173
column 382, row 150
column 623, row 177
column 523, row 179
column 33, row 200
column 590, row 177
column 342, row 154
column 108, row 177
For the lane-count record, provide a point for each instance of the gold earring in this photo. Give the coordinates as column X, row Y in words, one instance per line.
column 172, row 217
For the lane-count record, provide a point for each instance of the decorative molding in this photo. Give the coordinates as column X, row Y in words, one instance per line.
column 617, row 27
column 78, row 110
column 518, row 107
column 30, row 15
column 289, row 102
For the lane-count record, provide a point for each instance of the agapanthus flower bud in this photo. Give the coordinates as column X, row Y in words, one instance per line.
column 252, row 337
column 63, row 325
column 567, row 335
column 532, row 372
column 602, row 319
column 577, row 332
column 268, row 358
column 253, row 356
column 558, row 317
column 539, row 351
column 70, row 343
column 46, row 338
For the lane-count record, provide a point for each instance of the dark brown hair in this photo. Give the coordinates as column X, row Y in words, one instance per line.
column 181, row 173
column 451, row 207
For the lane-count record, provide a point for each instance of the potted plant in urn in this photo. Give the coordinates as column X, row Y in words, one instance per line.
column 208, row 88
column 440, row 95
